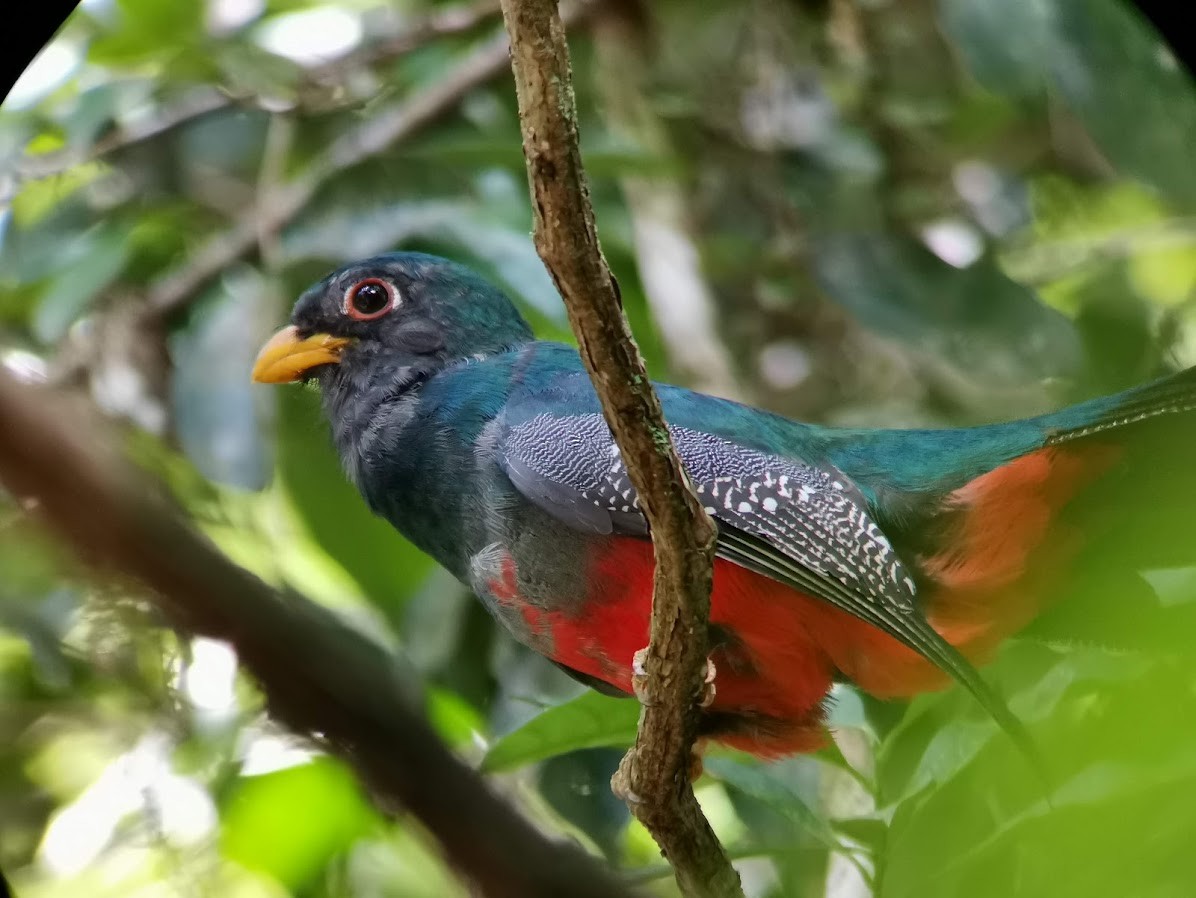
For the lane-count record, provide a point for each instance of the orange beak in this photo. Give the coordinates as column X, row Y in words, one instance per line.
column 285, row 358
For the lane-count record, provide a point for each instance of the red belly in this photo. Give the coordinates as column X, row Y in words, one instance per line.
column 770, row 669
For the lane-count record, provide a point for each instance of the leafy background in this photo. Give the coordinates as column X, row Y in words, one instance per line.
column 860, row 213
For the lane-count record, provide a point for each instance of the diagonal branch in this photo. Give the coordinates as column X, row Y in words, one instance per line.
column 655, row 774
column 318, row 675
column 377, row 134
column 176, row 288
column 204, row 100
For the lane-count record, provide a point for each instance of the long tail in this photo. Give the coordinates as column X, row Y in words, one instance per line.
column 1104, row 491
column 1169, row 396
column 1003, row 521
column 1143, row 509
column 1137, row 519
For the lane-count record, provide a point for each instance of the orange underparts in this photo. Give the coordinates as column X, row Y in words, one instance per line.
column 780, row 649
column 771, row 675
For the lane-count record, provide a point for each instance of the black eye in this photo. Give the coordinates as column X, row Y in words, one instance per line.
column 369, row 299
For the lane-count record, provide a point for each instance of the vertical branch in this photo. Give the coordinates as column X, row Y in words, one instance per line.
column 654, row 777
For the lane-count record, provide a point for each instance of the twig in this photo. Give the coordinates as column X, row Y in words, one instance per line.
column 435, row 25
column 176, row 288
column 194, row 104
column 384, row 129
column 654, row 775
column 318, row 675
column 205, row 100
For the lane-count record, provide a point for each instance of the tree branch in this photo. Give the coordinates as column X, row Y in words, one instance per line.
column 434, row 25
column 208, row 99
column 380, row 132
column 654, row 776
column 174, row 289
column 318, row 675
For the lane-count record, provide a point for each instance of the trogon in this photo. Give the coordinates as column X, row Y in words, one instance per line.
column 896, row 559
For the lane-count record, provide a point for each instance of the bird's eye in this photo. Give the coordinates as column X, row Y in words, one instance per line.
column 369, row 299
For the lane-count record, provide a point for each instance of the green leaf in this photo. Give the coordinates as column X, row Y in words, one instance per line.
column 152, row 33
column 92, row 114
column 1175, row 586
column 1111, row 828
column 80, row 280
column 760, row 782
column 39, row 198
column 868, row 831
column 951, row 749
column 1090, row 667
column 588, row 721
column 292, row 822
column 577, row 786
column 831, row 755
column 897, row 287
column 1136, row 100
column 1108, row 66
column 980, row 29
column 454, row 719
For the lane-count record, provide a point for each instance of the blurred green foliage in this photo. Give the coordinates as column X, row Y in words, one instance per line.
column 924, row 212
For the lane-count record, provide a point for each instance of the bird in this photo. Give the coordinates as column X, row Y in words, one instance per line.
column 896, row 560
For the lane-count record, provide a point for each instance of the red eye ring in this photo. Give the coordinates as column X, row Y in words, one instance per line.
column 370, row 298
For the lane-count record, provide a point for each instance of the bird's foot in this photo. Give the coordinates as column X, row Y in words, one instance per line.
column 709, row 690
column 639, row 680
column 639, row 676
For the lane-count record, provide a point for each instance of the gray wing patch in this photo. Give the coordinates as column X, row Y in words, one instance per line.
column 572, row 468
column 815, row 518
column 558, row 499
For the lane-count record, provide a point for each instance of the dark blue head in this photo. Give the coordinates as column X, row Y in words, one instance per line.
column 392, row 319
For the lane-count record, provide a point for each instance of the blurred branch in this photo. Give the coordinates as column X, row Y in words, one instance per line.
column 176, row 288
column 319, row 676
column 378, row 133
column 666, row 249
column 1045, row 261
column 654, row 776
column 205, row 100
column 276, row 207
column 194, row 104
column 432, row 27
